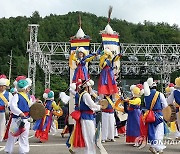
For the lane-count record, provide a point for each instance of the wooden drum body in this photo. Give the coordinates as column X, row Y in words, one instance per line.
column 169, row 113
column 37, row 111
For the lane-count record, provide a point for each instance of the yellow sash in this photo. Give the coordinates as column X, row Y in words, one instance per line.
column 110, row 101
column 25, row 97
column 3, row 98
column 154, row 100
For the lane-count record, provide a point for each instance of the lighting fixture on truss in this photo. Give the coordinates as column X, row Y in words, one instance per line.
column 157, row 69
column 133, row 58
column 132, row 71
column 143, row 70
column 148, row 57
column 158, row 59
column 174, row 57
column 124, row 70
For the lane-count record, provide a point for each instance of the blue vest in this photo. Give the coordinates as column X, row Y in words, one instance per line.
column 22, row 105
column 77, row 101
column 2, row 103
column 83, row 108
column 177, row 96
column 148, row 100
column 49, row 105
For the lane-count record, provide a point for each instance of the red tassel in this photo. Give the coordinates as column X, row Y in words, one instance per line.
column 19, row 132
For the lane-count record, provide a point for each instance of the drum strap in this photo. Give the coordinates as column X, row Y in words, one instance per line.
column 3, row 98
column 110, row 101
column 154, row 100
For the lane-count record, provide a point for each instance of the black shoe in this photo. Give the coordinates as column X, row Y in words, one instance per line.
column 112, row 140
column 71, row 151
column 62, row 134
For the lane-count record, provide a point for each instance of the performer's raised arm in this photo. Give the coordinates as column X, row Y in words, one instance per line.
column 117, row 57
column 89, row 57
column 103, row 61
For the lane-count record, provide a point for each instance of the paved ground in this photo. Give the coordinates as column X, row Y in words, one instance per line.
column 56, row 145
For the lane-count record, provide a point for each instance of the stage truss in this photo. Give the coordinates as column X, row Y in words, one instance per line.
column 138, row 59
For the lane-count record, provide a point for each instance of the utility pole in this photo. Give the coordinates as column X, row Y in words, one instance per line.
column 10, row 64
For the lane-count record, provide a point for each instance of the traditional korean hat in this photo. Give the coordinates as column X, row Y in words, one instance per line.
column 3, row 80
column 17, row 79
column 169, row 88
column 177, row 82
column 22, row 84
column 88, row 83
column 137, row 90
column 48, row 94
column 151, row 82
column 81, row 49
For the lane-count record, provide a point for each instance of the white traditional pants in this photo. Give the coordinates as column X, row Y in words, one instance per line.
column 88, row 131
column 2, row 125
column 159, row 135
column 23, row 139
column 53, row 129
column 108, row 122
column 177, row 134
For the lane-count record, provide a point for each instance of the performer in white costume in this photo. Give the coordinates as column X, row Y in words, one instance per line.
column 156, row 128
column 5, row 98
column 168, row 90
column 108, row 122
column 19, row 106
column 175, row 98
column 87, row 108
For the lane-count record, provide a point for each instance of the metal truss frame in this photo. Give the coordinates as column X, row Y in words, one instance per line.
column 52, row 57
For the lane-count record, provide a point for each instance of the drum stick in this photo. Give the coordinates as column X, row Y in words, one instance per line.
column 67, row 89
